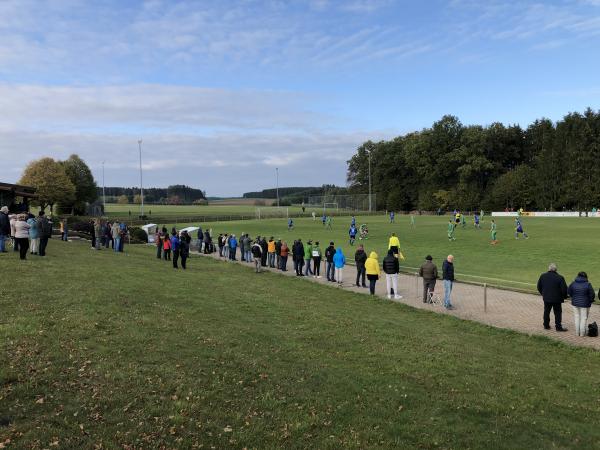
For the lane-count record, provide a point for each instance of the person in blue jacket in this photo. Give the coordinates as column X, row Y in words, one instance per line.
column 582, row 296
column 339, row 261
column 233, row 244
column 175, row 248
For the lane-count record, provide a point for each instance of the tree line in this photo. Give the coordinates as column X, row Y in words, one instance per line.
column 295, row 195
column 546, row 166
column 177, row 194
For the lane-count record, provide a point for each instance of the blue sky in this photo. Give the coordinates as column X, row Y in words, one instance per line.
column 223, row 92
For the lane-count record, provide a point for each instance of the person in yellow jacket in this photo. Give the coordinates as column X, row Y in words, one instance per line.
column 394, row 246
column 372, row 268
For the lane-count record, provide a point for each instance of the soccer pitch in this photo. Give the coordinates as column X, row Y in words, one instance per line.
column 569, row 242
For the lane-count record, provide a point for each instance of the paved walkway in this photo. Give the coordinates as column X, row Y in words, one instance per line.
column 498, row 308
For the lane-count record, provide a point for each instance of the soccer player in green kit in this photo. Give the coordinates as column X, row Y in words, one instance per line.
column 493, row 232
column 451, row 227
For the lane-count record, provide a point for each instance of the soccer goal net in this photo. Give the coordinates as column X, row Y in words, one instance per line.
column 354, row 202
column 330, row 207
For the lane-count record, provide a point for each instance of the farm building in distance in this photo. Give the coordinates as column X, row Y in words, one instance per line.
column 16, row 197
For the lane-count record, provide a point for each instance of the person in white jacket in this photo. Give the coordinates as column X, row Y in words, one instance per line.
column 22, row 235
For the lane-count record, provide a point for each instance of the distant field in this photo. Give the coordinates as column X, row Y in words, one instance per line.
column 224, row 207
column 570, row 242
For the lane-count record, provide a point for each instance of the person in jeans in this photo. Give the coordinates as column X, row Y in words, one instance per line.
column 166, row 247
column 373, row 272
column 339, row 261
column 4, row 228
column 448, row 277
column 429, row 272
column 44, row 232
column 116, row 235
column 175, row 247
column 553, row 288
column 329, row 269
column 283, row 254
column 391, row 267
column 233, row 243
column 316, row 258
column 360, row 258
column 248, row 246
column 271, row 252
column 582, row 296
column 22, row 235
column 278, row 254
column 34, row 235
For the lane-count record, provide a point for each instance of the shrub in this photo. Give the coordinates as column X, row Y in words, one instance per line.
column 80, row 227
column 137, row 234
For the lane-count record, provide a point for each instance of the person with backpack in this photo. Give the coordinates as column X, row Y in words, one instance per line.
column 44, row 231
column 339, row 260
column 360, row 258
column 284, row 252
column 184, row 248
column 582, row 296
column 308, row 258
column 391, row 267
column 257, row 255
column 373, row 272
column 316, row 257
column 329, row 266
column 175, row 246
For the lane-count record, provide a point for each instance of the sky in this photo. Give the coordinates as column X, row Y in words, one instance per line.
column 222, row 93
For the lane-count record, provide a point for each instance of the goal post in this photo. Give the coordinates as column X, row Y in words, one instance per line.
column 349, row 202
column 330, row 206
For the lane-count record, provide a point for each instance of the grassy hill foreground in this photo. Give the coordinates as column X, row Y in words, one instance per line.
column 104, row 350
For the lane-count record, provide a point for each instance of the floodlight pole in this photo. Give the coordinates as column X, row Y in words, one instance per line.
column 141, row 178
column 103, row 190
column 370, row 181
column 277, row 174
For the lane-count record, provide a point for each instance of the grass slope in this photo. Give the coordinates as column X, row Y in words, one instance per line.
column 570, row 242
column 124, row 352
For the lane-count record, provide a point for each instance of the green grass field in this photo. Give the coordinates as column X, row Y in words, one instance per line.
column 570, row 242
column 104, row 350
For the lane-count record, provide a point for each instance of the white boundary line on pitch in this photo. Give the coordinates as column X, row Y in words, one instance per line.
column 484, row 278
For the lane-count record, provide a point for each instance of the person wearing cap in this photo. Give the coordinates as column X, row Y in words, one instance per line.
column 429, row 272
column 4, row 228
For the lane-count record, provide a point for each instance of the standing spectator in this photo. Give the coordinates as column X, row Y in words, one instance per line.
column 110, row 242
column 256, row 254
column 13, row 220
column 34, row 235
column 200, row 239
column 554, row 290
column 44, row 232
column 271, row 252
column 208, row 245
column 248, row 247
column 429, row 273
column 64, row 230
column 22, row 235
column 92, row 224
column 339, row 260
column 123, row 233
column 278, row 254
column 242, row 246
column 298, row 253
column 316, row 257
column 226, row 246
column 372, row 268
column 233, row 243
column 98, row 234
column 158, row 238
column 175, row 248
column 360, row 258
column 106, row 233
column 448, row 277
column 4, row 228
column 308, row 258
column 221, row 244
column 166, row 247
column 330, row 268
column 184, row 248
column 582, row 296
column 284, row 252
column 264, row 246
column 115, row 231
column 391, row 267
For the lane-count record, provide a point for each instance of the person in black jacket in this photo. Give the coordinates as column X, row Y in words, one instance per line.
column 360, row 257
column 298, row 251
column 278, row 254
column 264, row 246
column 330, row 267
column 391, row 267
column 582, row 296
column 184, row 248
column 448, row 277
column 4, row 228
column 553, row 288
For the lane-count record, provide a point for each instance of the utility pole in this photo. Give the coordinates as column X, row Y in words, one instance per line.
column 370, row 206
column 277, row 173
column 141, row 178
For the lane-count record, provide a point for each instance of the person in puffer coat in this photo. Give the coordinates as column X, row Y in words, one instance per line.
column 391, row 267
column 582, row 295
column 372, row 268
column 339, row 261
